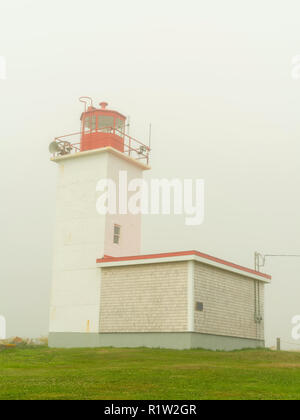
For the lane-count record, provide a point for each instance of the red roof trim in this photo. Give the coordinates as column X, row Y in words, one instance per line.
column 182, row 254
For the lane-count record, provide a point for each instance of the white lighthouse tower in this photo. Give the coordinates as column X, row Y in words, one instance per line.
column 100, row 151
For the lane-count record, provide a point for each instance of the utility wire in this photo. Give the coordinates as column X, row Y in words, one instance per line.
column 260, row 259
column 283, row 255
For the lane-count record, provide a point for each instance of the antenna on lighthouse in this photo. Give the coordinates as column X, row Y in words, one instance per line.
column 128, row 125
column 150, row 135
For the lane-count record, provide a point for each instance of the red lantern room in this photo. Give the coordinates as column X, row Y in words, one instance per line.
column 102, row 127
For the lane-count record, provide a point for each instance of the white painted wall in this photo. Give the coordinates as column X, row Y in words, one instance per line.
column 82, row 236
column 131, row 234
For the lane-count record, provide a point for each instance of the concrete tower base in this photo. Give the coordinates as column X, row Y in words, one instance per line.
column 177, row 341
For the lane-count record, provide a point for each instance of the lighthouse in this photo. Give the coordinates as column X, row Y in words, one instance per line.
column 101, row 150
column 105, row 292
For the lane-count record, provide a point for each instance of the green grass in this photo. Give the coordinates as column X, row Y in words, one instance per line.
column 42, row 373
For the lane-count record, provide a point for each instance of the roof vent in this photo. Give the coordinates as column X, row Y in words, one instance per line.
column 103, row 105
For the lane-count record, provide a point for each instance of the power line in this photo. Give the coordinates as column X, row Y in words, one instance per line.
column 260, row 259
column 283, row 255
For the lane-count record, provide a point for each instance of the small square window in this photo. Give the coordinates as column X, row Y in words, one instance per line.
column 117, row 234
column 199, row 306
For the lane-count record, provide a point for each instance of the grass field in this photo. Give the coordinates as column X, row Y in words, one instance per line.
column 42, row 373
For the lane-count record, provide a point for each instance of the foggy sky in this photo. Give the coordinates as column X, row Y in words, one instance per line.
column 214, row 79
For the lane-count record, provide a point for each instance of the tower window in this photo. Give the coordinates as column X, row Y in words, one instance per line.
column 120, row 125
column 105, row 123
column 90, row 123
column 117, row 234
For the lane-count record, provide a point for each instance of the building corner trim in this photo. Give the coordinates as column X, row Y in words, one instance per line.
column 191, row 296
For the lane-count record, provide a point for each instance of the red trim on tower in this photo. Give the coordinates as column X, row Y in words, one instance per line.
column 107, row 259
